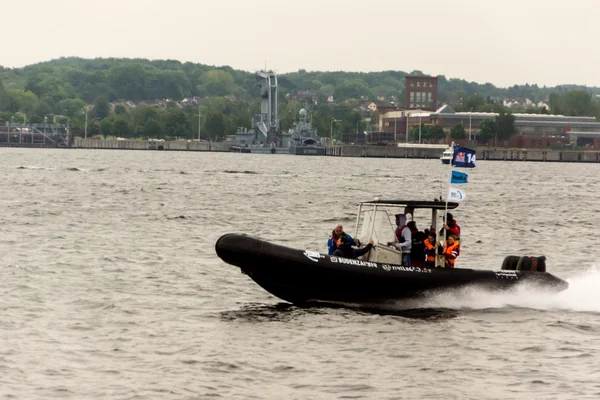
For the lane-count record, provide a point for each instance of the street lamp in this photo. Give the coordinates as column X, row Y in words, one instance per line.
column 199, row 121
column 471, row 112
column 419, row 128
column 45, row 124
column 407, row 134
column 12, row 118
column 85, row 129
column 331, row 128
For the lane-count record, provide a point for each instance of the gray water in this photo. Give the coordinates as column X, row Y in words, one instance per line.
column 111, row 287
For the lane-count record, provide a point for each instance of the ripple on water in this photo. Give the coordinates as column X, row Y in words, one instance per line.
column 111, row 287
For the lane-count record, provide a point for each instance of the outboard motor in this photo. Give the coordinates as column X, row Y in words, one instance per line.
column 524, row 263
column 510, row 262
column 533, row 264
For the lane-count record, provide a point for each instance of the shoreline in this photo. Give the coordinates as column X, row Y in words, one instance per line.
column 483, row 153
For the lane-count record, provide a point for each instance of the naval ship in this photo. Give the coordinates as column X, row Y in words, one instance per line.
column 266, row 137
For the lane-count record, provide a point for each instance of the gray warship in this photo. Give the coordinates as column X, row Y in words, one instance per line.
column 266, row 137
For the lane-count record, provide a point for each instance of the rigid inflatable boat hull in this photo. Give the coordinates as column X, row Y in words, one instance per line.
column 300, row 276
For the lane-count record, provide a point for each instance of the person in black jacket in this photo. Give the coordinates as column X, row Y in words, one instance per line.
column 345, row 249
column 417, row 251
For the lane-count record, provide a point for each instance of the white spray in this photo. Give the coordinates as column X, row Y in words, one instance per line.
column 583, row 295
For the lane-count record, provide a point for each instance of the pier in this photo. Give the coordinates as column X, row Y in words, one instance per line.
column 167, row 145
column 413, row 152
column 483, row 153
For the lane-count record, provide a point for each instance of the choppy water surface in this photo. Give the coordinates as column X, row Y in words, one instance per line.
column 111, row 287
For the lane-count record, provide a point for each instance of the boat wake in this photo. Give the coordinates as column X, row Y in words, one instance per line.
column 581, row 296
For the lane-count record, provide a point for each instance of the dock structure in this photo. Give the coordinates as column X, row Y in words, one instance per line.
column 166, row 145
column 411, row 152
column 483, row 153
column 34, row 135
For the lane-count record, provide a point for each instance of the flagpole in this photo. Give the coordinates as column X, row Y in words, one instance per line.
column 446, row 206
column 447, row 191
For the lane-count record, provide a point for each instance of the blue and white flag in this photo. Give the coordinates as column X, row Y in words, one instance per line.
column 459, row 177
column 463, row 157
column 456, row 195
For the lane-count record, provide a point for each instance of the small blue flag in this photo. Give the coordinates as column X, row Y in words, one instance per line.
column 459, row 177
column 463, row 157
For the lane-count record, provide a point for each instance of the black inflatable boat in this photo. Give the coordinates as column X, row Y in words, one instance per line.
column 303, row 277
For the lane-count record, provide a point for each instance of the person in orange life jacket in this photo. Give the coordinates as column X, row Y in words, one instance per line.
column 417, row 258
column 450, row 251
column 344, row 249
column 430, row 249
column 403, row 239
column 338, row 232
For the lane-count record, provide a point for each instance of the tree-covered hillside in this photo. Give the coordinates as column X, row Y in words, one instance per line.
column 118, row 88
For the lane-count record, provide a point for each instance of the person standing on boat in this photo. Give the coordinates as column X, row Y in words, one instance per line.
column 336, row 234
column 403, row 239
column 417, row 258
column 345, row 249
column 450, row 251
column 451, row 226
column 430, row 249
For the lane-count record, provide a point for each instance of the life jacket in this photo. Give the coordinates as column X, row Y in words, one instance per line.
column 429, row 251
column 399, row 237
column 450, row 254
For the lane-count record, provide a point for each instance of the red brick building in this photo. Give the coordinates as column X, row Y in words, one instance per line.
column 421, row 92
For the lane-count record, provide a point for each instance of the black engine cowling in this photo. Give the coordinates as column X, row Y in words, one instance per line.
column 525, row 263
column 510, row 262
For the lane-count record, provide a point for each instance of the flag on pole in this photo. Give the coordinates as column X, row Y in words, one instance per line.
column 463, row 157
column 459, row 177
column 456, row 195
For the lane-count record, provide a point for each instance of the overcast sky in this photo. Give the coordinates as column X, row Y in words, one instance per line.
column 504, row 42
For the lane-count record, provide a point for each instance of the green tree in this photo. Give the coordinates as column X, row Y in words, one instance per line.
column 458, row 132
column 414, row 133
column 48, row 85
column 505, row 126
column 144, row 113
column 43, row 108
column 214, row 124
column 132, row 81
column 436, row 132
column 70, row 107
column 556, row 103
column 151, row 129
column 352, row 89
column 120, row 109
column 578, row 103
column 176, row 123
column 106, row 127
column 121, row 127
column 173, row 85
column 487, row 130
column 218, row 82
column 21, row 100
column 101, row 107
column 4, row 100
column 474, row 102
